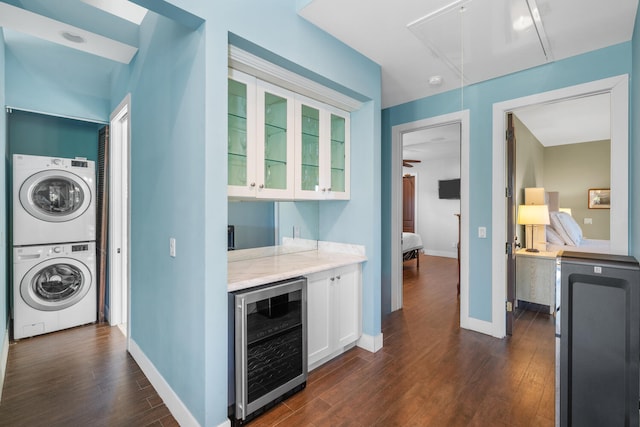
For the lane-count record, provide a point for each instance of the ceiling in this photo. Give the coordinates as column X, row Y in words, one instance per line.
column 416, row 40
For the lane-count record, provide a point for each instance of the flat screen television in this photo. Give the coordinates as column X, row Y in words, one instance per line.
column 449, row 189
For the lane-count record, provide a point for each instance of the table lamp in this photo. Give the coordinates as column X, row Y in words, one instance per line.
column 530, row 215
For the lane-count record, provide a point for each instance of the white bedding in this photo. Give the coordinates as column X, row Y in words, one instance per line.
column 411, row 241
column 586, row 245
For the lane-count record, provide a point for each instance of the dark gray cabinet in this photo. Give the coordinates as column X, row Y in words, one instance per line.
column 599, row 338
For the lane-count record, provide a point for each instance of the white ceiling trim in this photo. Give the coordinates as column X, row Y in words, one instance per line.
column 121, row 8
column 244, row 61
column 25, row 22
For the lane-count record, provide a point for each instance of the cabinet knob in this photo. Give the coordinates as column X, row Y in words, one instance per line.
column 253, row 184
column 261, row 186
column 332, row 279
column 324, row 189
column 338, row 277
column 329, row 189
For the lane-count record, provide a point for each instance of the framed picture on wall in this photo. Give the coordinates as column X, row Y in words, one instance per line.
column 599, row 198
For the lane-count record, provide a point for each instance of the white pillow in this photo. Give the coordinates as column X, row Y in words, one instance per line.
column 566, row 227
column 553, row 237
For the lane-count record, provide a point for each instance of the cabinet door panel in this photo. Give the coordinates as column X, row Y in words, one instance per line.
column 339, row 157
column 347, row 299
column 319, row 308
column 241, row 148
column 275, row 142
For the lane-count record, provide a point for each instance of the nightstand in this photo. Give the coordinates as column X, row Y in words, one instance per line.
column 536, row 278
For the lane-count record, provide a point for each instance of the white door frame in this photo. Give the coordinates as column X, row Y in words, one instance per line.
column 119, row 216
column 461, row 117
column 618, row 87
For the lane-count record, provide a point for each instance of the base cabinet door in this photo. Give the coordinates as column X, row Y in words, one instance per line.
column 347, row 291
column 333, row 312
column 318, row 316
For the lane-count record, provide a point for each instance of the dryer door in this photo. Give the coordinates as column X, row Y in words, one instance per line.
column 55, row 195
column 55, row 284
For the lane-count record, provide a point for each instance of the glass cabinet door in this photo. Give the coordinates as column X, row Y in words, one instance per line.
column 275, row 142
column 339, row 157
column 310, row 149
column 338, row 151
column 237, row 139
column 241, row 125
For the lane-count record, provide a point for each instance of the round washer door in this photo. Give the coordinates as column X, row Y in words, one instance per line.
column 55, row 284
column 55, row 196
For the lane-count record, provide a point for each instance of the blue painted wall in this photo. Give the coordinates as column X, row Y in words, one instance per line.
column 167, row 200
column 43, row 135
column 202, row 385
column 57, row 80
column 479, row 99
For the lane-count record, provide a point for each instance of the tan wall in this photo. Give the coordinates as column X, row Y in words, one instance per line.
column 529, row 166
column 572, row 170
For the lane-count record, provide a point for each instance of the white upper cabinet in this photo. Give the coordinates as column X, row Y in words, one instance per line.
column 241, row 145
column 275, row 142
column 284, row 146
column 322, row 150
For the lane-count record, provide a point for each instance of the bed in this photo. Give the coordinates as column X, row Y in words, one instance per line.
column 411, row 247
column 564, row 233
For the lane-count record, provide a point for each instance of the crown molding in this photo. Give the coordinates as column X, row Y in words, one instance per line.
column 244, row 61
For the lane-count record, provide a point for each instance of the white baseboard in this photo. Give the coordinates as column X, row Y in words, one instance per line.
column 371, row 343
column 170, row 398
column 481, row 326
column 445, row 254
column 4, row 356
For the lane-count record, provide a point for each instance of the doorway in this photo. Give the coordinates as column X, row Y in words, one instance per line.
column 119, row 219
column 462, row 118
column 617, row 88
column 409, row 203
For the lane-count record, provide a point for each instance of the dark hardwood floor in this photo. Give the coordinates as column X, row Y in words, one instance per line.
column 78, row 377
column 429, row 373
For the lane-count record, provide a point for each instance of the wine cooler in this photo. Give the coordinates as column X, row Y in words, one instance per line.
column 270, row 346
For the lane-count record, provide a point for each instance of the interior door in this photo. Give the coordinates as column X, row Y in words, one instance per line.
column 408, row 203
column 511, row 232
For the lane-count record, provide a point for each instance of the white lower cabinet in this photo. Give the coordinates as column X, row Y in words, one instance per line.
column 334, row 307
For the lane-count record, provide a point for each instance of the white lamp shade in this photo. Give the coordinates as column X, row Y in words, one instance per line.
column 533, row 214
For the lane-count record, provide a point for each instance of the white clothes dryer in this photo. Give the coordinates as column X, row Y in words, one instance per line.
column 53, row 200
column 53, row 287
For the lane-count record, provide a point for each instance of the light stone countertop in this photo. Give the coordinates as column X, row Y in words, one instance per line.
column 259, row 271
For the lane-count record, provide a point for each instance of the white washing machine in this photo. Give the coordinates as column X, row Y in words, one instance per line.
column 53, row 287
column 53, row 200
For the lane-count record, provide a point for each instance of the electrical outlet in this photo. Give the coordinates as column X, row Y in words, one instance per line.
column 482, row 232
column 172, row 247
column 296, row 232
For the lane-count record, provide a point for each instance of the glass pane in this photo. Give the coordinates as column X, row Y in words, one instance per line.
column 57, row 196
column 237, row 129
column 338, row 138
column 275, row 144
column 57, row 282
column 310, row 148
column 275, row 175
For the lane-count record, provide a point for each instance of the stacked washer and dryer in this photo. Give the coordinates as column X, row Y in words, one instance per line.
column 54, row 252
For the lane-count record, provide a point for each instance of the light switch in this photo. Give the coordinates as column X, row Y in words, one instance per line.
column 482, row 232
column 172, row 246
column 588, row 221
